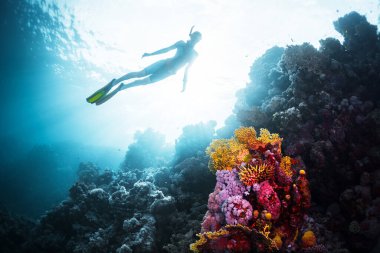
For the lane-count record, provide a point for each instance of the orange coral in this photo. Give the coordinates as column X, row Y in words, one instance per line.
column 255, row 174
column 286, row 166
column 243, row 156
column 308, row 239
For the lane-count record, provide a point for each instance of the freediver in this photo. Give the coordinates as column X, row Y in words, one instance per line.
column 185, row 55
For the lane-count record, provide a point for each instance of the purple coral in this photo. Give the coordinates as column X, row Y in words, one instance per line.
column 227, row 185
column 237, row 210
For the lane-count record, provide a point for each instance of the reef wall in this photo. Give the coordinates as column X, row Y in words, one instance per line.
column 325, row 104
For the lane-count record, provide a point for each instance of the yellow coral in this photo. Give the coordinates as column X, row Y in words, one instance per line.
column 272, row 244
column 225, row 154
column 266, row 137
column 286, row 165
column 204, row 237
column 221, row 155
column 228, row 153
column 255, row 174
column 245, row 135
column 308, row 239
column 266, row 231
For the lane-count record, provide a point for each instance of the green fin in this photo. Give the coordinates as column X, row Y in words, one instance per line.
column 100, row 93
column 96, row 96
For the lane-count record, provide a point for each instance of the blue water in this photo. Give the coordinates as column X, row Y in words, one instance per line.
column 41, row 141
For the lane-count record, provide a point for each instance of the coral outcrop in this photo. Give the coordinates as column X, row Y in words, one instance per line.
column 259, row 202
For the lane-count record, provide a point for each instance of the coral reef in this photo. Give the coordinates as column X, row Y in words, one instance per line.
column 144, row 209
column 252, row 198
column 325, row 103
column 133, row 211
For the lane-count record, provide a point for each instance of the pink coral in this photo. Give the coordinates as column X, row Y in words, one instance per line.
column 237, row 210
column 269, row 200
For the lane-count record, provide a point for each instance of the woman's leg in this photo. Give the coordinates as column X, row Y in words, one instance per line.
column 130, row 75
column 144, row 81
column 101, row 94
column 123, row 86
column 155, row 71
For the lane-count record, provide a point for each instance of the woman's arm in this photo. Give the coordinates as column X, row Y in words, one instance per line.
column 164, row 50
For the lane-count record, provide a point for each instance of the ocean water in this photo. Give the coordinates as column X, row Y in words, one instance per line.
column 133, row 175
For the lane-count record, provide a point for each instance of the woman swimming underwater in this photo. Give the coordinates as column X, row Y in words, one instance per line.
column 184, row 56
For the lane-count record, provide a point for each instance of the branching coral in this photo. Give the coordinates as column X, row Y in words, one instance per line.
column 251, row 175
column 259, row 201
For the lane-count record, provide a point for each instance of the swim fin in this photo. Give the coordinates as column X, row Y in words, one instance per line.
column 100, row 93
column 109, row 95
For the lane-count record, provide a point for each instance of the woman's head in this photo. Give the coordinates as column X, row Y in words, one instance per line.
column 195, row 36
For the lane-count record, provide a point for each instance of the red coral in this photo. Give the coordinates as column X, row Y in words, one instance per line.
column 269, row 200
column 303, row 186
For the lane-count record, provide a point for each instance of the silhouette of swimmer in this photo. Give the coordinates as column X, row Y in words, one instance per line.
column 185, row 55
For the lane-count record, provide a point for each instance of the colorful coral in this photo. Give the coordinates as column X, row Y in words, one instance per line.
column 259, row 198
